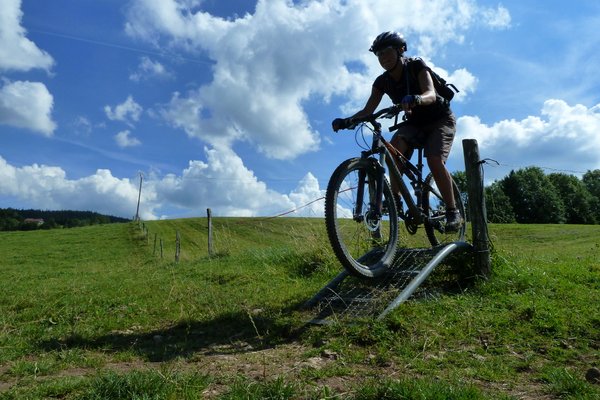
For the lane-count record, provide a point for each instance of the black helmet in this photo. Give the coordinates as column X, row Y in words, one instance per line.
column 387, row 39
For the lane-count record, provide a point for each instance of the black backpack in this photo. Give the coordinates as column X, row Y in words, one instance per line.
column 442, row 88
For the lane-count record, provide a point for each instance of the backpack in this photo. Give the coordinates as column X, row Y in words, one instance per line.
column 442, row 88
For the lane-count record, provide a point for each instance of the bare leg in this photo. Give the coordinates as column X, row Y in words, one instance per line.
column 443, row 179
column 400, row 145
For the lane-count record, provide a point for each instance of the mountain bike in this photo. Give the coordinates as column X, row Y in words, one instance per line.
column 361, row 213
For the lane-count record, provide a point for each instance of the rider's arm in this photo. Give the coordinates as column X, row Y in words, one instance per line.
column 372, row 103
column 369, row 108
column 428, row 95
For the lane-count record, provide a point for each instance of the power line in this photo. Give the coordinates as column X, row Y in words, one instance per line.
column 541, row 167
column 118, row 46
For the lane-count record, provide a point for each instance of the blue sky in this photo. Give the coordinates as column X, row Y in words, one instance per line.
column 227, row 104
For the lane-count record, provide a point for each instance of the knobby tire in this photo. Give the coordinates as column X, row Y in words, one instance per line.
column 365, row 246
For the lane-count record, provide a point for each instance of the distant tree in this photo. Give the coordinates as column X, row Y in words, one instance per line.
column 11, row 219
column 497, row 203
column 8, row 223
column 533, row 197
column 49, row 223
column 460, row 178
column 575, row 197
column 591, row 180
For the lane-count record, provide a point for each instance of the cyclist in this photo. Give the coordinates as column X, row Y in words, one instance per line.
column 429, row 122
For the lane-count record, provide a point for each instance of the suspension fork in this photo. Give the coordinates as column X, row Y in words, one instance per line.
column 358, row 212
column 380, row 179
column 375, row 199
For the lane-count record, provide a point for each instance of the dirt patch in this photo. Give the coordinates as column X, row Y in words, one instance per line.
column 292, row 362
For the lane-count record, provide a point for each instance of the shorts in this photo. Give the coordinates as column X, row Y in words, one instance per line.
column 435, row 138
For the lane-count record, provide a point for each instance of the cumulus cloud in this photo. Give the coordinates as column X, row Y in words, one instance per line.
column 27, row 105
column 309, row 197
column 267, row 64
column 129, row 111
column 562, row 136
column 149, row 69
column 222, row 183
column 124, row 139
column 17, row 53
column 47, row 187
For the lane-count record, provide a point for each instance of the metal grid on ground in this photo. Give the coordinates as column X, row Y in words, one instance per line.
column 350, row 297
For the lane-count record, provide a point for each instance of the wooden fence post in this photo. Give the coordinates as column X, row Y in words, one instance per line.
column 177, row 246
column 161, row 248
column 209, row 214
column 477, row 210
column 154, row 250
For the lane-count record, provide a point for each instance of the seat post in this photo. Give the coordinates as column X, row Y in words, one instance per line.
column 420, row 163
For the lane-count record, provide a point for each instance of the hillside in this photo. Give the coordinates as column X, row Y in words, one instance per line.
column 96, row 312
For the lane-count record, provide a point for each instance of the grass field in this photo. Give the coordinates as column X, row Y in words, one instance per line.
column 97, row 313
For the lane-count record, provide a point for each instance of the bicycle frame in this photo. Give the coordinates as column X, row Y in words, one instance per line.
column 379, row 146
column 362, row 221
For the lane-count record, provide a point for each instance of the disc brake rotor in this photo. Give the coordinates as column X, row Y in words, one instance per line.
column 372, row 221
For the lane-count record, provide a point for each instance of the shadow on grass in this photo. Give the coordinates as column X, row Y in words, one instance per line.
column 231, row 333
column 237, row 332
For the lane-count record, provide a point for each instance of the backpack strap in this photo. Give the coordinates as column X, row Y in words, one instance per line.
column 406, row 69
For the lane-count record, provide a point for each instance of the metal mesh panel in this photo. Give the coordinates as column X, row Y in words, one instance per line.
column 347, row 296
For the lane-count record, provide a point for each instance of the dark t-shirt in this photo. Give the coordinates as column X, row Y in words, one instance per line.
column 396, row 90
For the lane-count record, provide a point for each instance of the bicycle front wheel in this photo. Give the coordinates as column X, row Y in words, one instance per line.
column 363, row 238
column 435, row 209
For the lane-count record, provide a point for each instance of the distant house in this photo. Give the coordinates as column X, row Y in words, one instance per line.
column 36, row 221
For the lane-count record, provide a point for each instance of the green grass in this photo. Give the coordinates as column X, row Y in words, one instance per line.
column 96, row 312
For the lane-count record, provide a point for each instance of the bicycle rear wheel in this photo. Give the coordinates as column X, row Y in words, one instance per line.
column 435, row 209
column 364, row 242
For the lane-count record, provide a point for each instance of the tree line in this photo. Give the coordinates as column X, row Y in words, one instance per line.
column 25, row 220
column 530, row 196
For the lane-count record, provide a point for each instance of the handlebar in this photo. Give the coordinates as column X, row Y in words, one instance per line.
column 389, row 112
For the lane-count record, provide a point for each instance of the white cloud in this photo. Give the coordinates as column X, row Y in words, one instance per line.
column 223, row 184
column 82, row 126
column 308, row 197
column 124, row 139
column 47, row 187
column 17, row 53
column 27, row 105
column 148, row 69
column 129, row 111
column 498, row 18
column 269, row 63
column 563, row 137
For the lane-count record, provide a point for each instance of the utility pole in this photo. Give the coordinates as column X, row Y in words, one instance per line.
column 137, row 211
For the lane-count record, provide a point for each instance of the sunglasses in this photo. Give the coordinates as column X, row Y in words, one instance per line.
column 381, row 52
